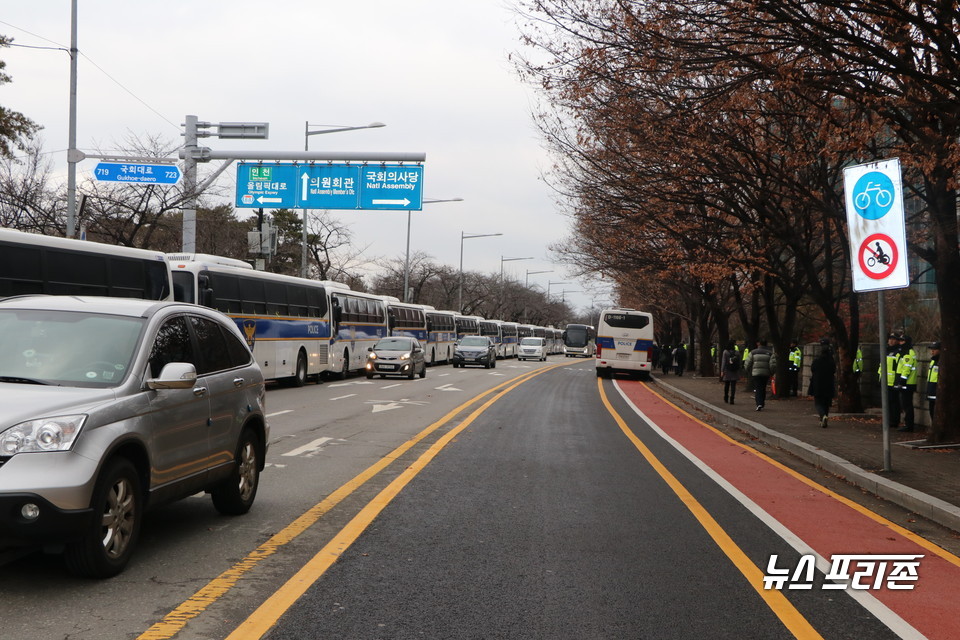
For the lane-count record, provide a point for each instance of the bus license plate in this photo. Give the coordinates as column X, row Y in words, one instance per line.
column 623, row 356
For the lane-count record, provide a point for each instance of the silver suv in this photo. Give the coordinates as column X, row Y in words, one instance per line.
column 109, row 406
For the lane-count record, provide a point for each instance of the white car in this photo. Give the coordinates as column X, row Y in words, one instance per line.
column 532, row 349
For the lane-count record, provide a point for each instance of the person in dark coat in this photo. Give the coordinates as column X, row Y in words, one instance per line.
column 680, row 359
column 666, row 359
column 823, row 372
column 730, row 367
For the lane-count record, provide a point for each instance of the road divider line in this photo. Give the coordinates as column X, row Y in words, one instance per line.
column 263, row 619
column 173, row 622
column 792, row 619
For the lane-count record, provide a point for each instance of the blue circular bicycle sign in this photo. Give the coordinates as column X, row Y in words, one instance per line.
column 873, row 195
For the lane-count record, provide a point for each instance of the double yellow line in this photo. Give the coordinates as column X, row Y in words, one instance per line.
column 270, row 611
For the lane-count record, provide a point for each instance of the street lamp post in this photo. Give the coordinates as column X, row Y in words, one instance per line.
column 502, row 283
column 526, row 285
column 550, row 284
column 406, row 264
column 467, row 236
column 306, row 147
column 563, row 294
column 526, row 281
column 502, row 260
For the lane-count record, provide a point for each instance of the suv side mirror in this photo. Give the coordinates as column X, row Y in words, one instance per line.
column 175, row 375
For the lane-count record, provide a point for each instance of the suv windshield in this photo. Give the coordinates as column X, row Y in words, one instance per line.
column 474, row 341
column 394, row 344
column 532, row 342
column 66, row 348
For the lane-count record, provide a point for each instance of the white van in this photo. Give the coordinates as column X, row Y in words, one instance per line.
column 624, row 342
column 532, row 348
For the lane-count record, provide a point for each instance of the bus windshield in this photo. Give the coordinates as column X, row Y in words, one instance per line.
column 576, row 337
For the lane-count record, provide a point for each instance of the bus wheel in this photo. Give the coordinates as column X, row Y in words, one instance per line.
column 342, row 375
column 300, row 377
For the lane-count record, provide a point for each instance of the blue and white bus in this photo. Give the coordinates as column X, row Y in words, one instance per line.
column 286, row 320
column 441, row 335
column 31, row 263
column 625, row 342
column 359, row 320
column 405, row 319
column 509, row 330
column 467, row 325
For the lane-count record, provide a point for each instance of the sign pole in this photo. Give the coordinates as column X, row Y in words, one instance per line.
column 884, row 401
column 873, row 195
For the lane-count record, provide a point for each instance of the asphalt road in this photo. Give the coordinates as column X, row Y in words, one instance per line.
column 520, row 502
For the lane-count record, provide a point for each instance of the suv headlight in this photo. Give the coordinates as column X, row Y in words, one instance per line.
column 46, row 434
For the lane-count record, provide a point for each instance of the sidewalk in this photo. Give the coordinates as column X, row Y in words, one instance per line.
column 925, row 481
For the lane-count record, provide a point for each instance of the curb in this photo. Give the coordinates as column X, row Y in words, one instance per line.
column 930, row 507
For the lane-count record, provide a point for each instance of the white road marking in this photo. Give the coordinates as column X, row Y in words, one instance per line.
column 312, row 447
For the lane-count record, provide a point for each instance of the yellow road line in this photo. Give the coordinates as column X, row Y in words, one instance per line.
column 261, row 620
column 876, row 517
column 778, row 603
column 206, row 596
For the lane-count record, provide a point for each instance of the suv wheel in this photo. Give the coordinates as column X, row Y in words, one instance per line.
column 234, row 496
column 104, row 549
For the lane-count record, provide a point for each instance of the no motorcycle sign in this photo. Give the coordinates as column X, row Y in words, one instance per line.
column 874, row 203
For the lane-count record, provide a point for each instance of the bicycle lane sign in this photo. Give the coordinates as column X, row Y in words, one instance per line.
column 874, row 204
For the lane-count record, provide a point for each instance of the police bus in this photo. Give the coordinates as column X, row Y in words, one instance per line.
column 297, row 328
column 441, row 335
column 624, row 342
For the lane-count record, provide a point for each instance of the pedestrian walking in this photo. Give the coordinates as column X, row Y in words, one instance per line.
column 794, row 366
column 730, row 366
column 666, row 359
column 823, row 383
column 906, row 380
column 933, row 376
column 761, row 363
column 680, row 359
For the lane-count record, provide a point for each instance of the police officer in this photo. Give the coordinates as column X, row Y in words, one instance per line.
column 890, row 384
column 794, row 365
column 858, row 363
column 906, row 380
column 933, row 376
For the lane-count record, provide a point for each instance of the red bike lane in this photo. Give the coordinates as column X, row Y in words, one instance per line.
column 828, row 523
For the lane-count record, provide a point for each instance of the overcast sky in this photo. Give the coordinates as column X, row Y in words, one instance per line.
column 436, row 72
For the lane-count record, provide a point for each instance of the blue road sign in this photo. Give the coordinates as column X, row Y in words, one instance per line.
column 873, row 195
column 271, row 186
column 397, row 187
column 137, row 173
column 329, row 186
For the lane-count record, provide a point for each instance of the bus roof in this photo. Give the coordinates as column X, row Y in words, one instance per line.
column 71, row 244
